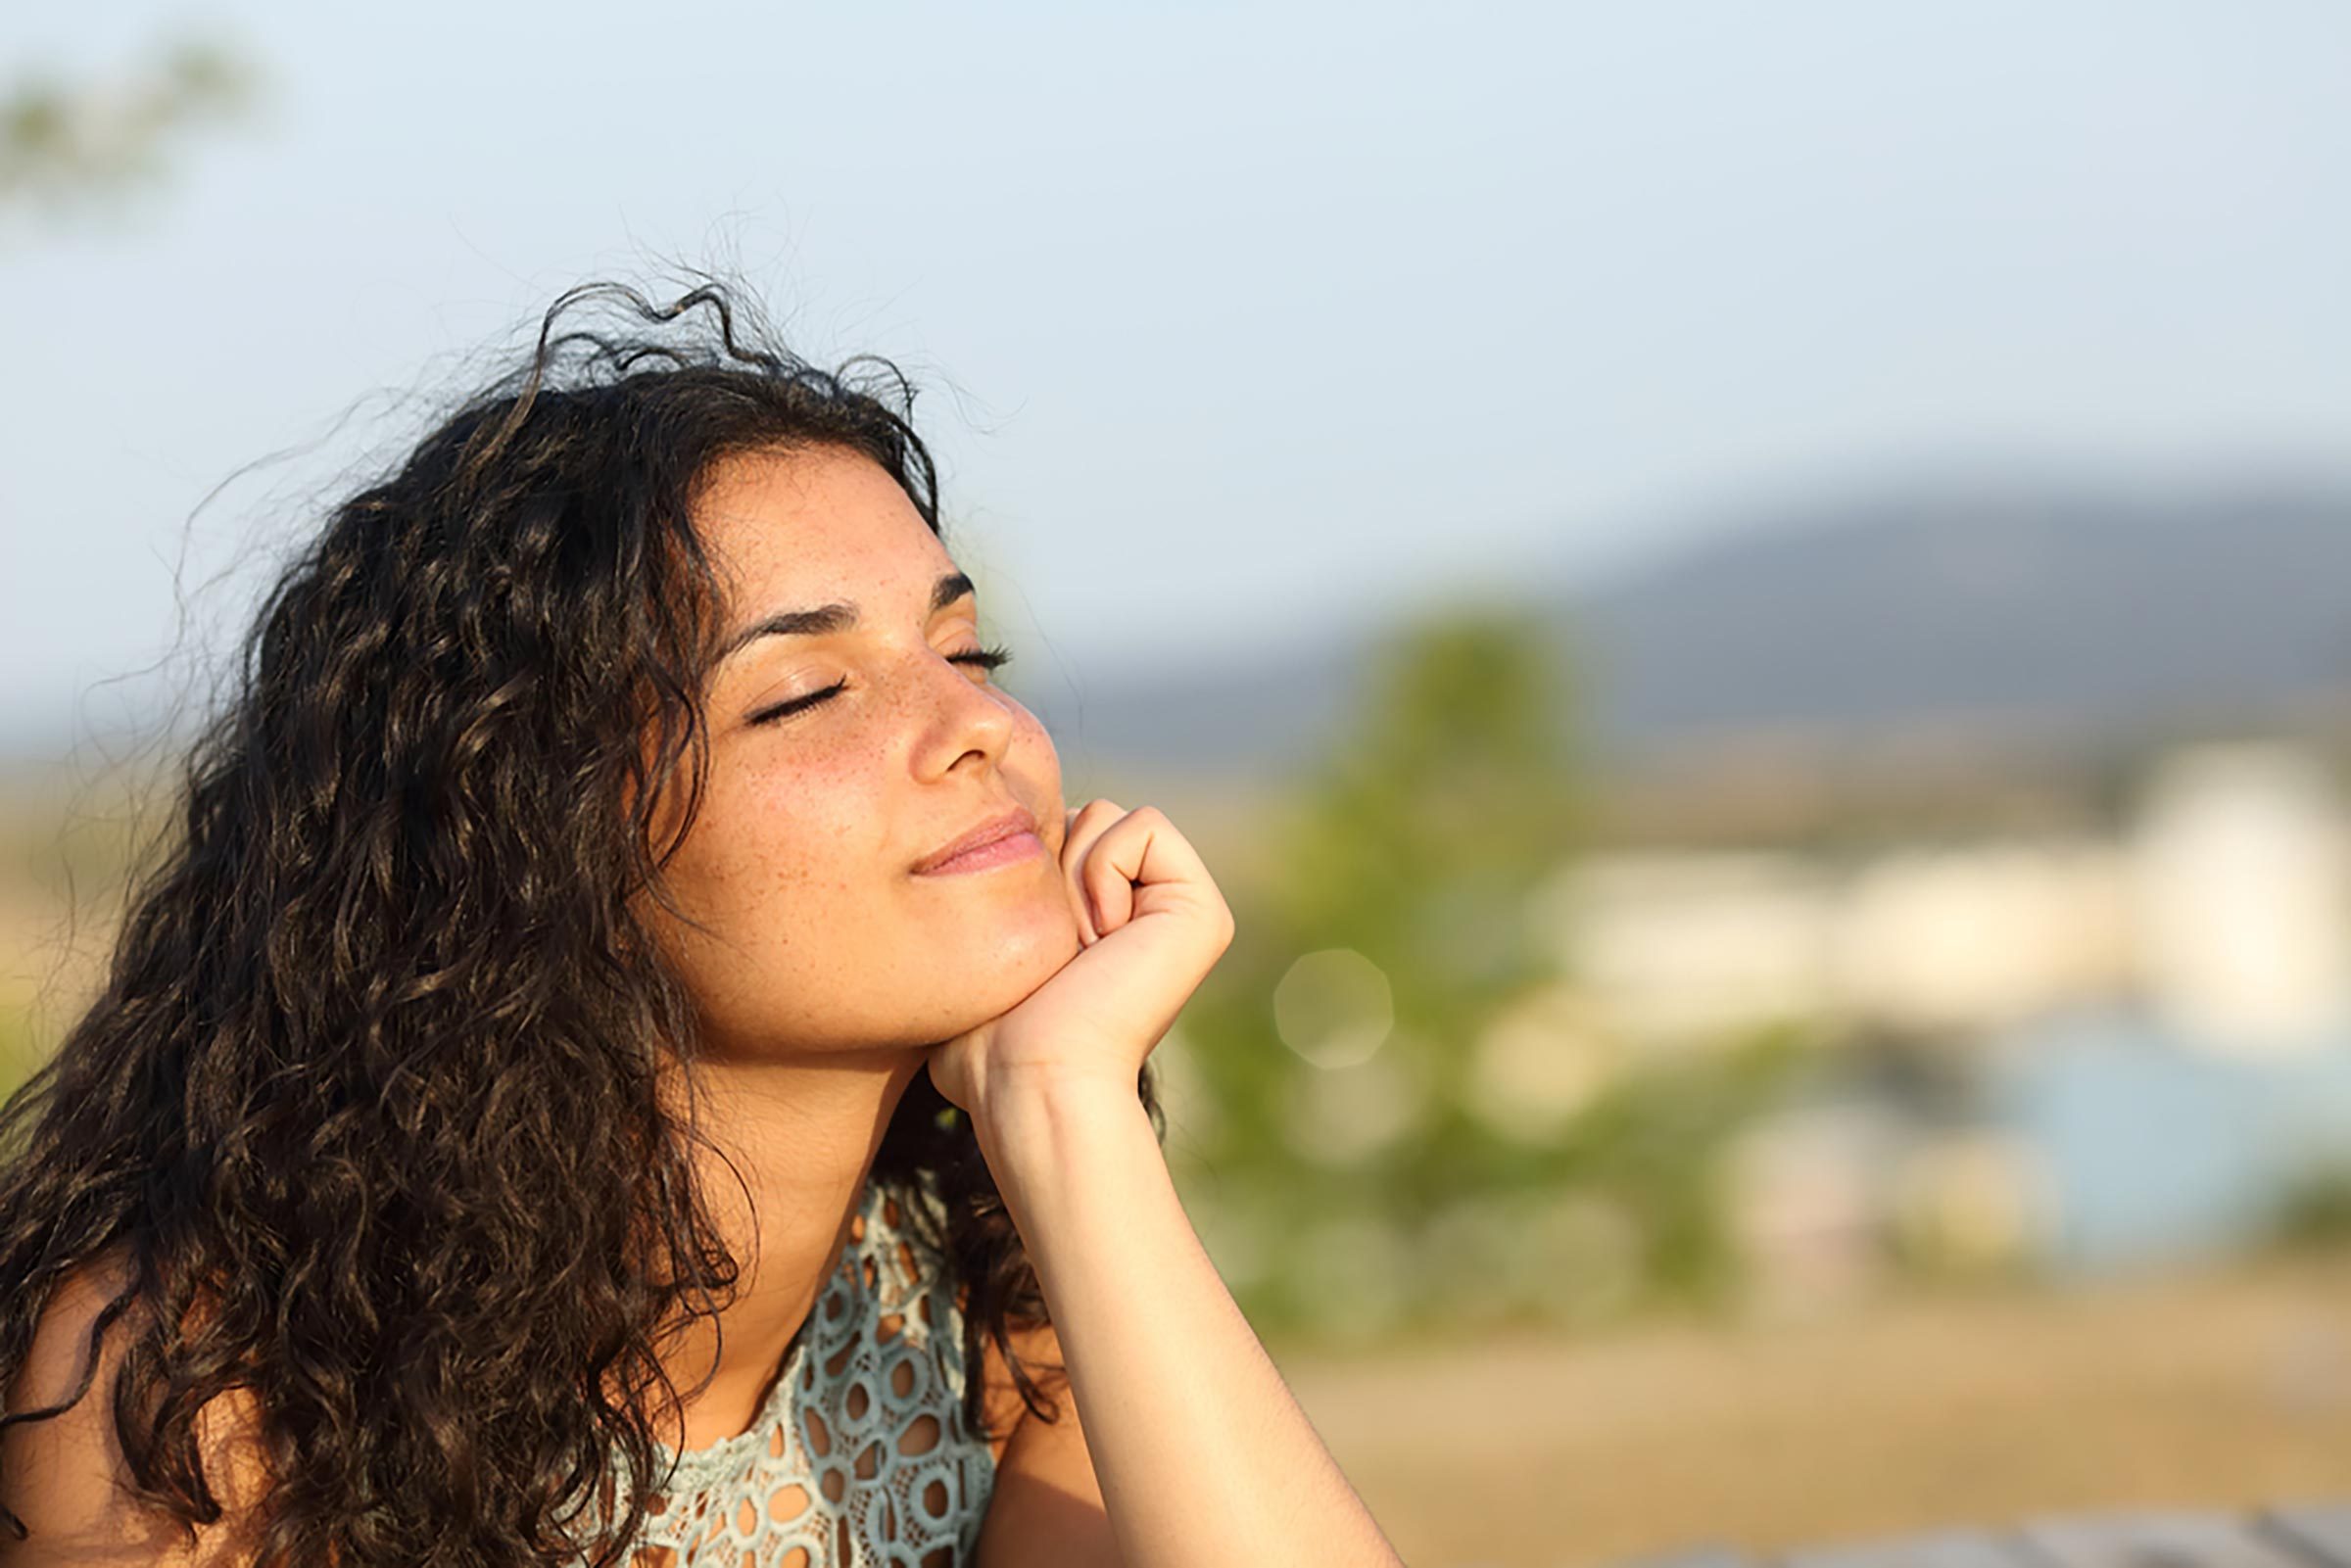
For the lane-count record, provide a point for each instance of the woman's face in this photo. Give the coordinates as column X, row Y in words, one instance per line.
column 821, row 934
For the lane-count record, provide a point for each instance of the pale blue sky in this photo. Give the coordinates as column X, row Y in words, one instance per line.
column 1237, row 323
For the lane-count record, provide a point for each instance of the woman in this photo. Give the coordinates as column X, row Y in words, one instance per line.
column 631, row 1060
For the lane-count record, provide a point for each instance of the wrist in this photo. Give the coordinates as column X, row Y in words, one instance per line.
column 1029, row 1126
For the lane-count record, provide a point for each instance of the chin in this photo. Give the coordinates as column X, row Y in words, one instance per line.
column 999, row 974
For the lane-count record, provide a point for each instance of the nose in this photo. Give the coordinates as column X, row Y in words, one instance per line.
column 967, row 717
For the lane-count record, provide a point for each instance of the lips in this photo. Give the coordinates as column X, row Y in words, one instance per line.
column 988, row 832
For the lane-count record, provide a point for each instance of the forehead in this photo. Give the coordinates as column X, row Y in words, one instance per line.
column 817, row 523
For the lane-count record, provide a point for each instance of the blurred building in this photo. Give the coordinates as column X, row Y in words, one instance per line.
column 2242, row 896
column 1677, row 949
column 2226, row 906
column 2155, row 1025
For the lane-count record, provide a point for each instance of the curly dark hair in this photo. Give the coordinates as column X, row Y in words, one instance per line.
column 365, row 1111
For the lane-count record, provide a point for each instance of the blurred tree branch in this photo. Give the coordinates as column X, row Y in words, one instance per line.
column 63, row 143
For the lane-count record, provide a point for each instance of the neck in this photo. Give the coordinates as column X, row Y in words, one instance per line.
column 802, row 1137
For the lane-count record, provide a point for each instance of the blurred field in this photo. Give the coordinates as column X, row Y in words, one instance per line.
column 69, row 838
column 2218, row 1391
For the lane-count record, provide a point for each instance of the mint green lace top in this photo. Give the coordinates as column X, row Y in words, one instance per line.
column 859, row 1457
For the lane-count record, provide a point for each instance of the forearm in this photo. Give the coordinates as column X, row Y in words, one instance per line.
column 1200, row 1448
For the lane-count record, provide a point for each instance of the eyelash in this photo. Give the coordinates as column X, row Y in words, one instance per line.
column 985, row 658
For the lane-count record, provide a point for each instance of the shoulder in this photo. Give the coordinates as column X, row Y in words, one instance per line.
column 66, row 1475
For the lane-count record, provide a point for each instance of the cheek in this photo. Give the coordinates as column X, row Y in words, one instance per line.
column 773, row 846
column 1034, row 762
column 782, row 872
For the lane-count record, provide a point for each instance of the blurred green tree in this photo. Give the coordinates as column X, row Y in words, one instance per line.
column 63, row 144
column 1377, row 1044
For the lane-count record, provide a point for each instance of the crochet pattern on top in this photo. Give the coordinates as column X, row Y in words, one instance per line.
column 859, row 1456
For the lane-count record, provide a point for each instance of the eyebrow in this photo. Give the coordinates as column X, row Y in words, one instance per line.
column 826, row 619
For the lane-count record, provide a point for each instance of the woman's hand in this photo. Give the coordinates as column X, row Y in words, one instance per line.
column 1184, row 1430
column 1151, row 925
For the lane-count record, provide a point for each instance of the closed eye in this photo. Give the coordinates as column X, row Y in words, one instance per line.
column 983, row 659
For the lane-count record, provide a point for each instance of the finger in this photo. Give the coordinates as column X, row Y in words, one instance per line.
column 1088, row 824
column 1092, row 817
column 1141, row 862
column 1107, row 881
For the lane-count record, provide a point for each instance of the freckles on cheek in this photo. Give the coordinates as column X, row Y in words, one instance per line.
column 801, row 827
column 1035, row 751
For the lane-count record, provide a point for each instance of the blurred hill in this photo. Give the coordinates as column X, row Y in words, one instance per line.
column 2098, row 615
column 2021, row 618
